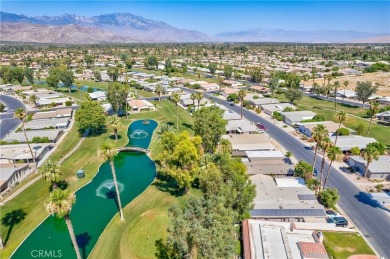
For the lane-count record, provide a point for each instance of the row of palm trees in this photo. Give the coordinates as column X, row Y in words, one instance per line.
column 198, row 97
column 332, row 152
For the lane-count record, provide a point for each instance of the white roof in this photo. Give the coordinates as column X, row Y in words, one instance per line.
column 290, row 182
column 347, row 142
column 270, row 154
column 97, row 95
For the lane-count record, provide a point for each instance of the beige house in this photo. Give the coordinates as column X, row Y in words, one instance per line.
column 140, row 105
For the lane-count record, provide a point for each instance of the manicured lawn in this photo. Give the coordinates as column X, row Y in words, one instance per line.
column 146, row 221
column 378, row 132
column 323, row 104
column 343, row 245
column 31, row 201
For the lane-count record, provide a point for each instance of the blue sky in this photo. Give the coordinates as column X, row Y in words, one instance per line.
column 217, row 16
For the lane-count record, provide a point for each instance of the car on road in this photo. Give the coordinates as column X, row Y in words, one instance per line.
column 231, row 104
column 340, row 221
column 260, row 127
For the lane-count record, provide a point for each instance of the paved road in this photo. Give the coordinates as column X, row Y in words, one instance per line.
column 372, row 221
column 7, row 122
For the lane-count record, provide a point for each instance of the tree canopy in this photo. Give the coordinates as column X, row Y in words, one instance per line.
column 364, row 90
column 90, row 116
column 117, row 95
column 210, row 126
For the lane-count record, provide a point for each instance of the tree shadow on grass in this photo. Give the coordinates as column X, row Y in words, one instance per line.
column 11, row 219
column 169, row 186
column 188, row 126
column 113, row 137
column 63, row 184
column 170, row 123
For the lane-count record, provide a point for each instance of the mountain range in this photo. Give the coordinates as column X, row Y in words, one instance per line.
column 130, row 28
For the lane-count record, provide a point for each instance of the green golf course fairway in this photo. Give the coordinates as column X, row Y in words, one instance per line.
column 95, row 202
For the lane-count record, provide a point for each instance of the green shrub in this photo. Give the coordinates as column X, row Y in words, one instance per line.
column 343, row 132
column 68, row 103
column 277, row 115
column 40, row 140
column 329, row 197
column 355, row 151
column 256, row 97
column 288, row 109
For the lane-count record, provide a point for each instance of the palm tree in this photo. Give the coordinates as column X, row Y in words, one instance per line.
column 374, row 109
column 193, row 98
column 199, row 97
column 164, row 128
column 175, row 97
column 33, row 99
column 159, row 90
column 325, row 145
column 241, row 95
column 51, row 172
column 127, row 88
column 336, row 86
column 329, row 78
column 20, row 113
column 334, row 154
column 108, row 152
column 319, row 133
column 60, row 203
column 369, row 154
column 114, row 123
column 341, row 117
column 316, row 89
column 346, row 83
column 328, row 88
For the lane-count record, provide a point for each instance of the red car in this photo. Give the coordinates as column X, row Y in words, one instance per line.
column 259, row 126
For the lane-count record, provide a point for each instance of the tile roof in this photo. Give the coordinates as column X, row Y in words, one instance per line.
column 312, row 250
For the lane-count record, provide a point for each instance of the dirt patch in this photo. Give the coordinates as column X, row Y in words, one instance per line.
column 383, row 78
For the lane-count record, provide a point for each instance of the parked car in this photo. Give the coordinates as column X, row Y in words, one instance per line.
column 340, row 221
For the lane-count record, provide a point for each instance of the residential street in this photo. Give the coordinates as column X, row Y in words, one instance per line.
column 7, row 122
column 372, row 221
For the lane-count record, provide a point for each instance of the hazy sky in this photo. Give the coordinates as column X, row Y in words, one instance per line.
column 217, row 16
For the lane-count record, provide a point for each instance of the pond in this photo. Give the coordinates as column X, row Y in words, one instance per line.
column 96, row 202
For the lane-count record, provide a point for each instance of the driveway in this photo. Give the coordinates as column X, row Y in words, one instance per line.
column 372, row 221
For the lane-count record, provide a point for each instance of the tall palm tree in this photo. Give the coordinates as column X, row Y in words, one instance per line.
column 175, row 97
column 316, row 89
column 329, row 78
column 325, row 145
column 341, row 117
column 108, row 152
column 369, row 154
column 374, row 109
column 319, row 134
column 127, row 90
column 346, row 83
column 21, row 114
column 328, row 89
column 51, row 172
column 199, row 97
column 193, row 98
column 334, row 154
column 336, row 86
column 159, row 90
column 114, row 123
column 60, row 203
column 241, row 95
